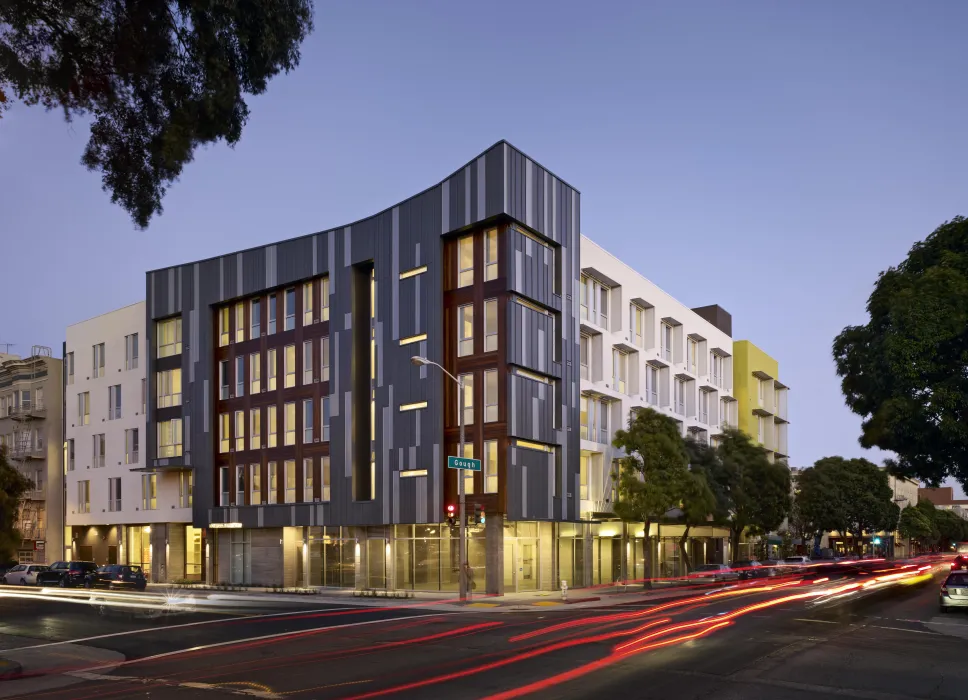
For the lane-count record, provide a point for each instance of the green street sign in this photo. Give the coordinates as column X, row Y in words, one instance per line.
column 473, row 465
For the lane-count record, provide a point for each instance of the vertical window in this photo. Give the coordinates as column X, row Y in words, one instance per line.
column 84, row 408
column 271, row 369
column 223, row 380
column 680, row 396
column 223, row 479
column 692, row 356
column 97, row 459
column 239, row 485
column 239, row 431
column 272, row 313
column 324, row 418
column 131, row 446
column 169, row 388
column 468, row 398
column 723, row 413
column 324, row 359
column 255, row 373
column 307, row 421
column 465, row 276
column 169, row 337
column 70, row 454
column 239, row 322
column 583, row 476
column 652, row 384
column 619, row 370
column 583, row 417
column 255, row 318
column 603, row 423
column 603, row 306
column 114, row 494
column 255, row 484
column 715, row 368
column 465, row 330
column 290, row 310
column 490, row 466
column 290, row 476
column 289, row 366
column 149, row 492
column 185, row 484
column 289, row 423
column 255, row 429
column 307, row 299
column 759, row 429
column 490, row 254
column 224, row 433
column 272, row 491
column 308, row 362
column 665, row 339
column 583, row 298
column 114, row 402
column 490, row 325
column 98, row 368
column 224, row 321
column 324, row 299
column 307, row 480
column 636, row 324
column 703, row 407
column 490, row 395
column 70, row 368
column 324, row 478
column 272, row 427
column 240, row 376
column 84, row 496
column 585, row 353
column 466, row 474
column 762, row 391
column 131, row 351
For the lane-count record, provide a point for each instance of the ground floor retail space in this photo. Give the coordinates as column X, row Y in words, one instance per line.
column 167, row 552
column 504, row 557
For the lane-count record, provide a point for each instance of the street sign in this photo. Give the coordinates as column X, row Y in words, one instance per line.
column 473, row 465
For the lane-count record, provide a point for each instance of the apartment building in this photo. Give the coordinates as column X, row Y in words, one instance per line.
column 30, row 431
column 119, row 509
column 761, row 399
column 319, row 450
column 641, row 348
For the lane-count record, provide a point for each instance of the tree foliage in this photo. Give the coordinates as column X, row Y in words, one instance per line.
column 699, row 503
column 918, row 526
column 905, row 372
column 159, row 78
column 13, row 485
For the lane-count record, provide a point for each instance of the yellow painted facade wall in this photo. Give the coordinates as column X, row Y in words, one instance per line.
column 747, row 358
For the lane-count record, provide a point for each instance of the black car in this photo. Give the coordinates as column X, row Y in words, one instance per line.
column 117, row 576
column 66, row 574
column 750, row 569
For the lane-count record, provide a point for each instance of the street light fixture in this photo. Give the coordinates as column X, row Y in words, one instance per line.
column 462, row 546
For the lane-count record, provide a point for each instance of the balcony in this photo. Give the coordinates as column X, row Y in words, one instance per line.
column 27, row 410
column 33, row 533
column 28, row 452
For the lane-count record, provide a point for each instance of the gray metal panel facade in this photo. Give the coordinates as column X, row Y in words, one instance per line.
column 500, row 183
column 530, row 476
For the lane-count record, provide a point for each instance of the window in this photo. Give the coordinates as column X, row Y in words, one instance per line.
column 170, row 389
column 716, row 368
column 585, row 347
column 652, row 385
column 170, row 438
column 665, row 341
column 759, row 429
column 467, row 474
column 465, row 330
column 603, row 423
column 239, row 485
column 131, row 447
column 308, row 362
column 490, row 466
column 240, row 376
column 324, row 299
column 290, row 310
column 289, row 423
column 272, row 427
column 603, row 305
column 723, row 413
column 468, row 399
column 490, row 254
column 583, row 468
column 679, row 397
column 583, row 416
column 98, row 369
column 324, row 359
column 70, row 367
column 465, row 275
column 325, row 418
column 762, row 391
column 692, row 356
column 255, row 429
column 185, row 488
column 271, row 369
column 70, row 454
column 169, row 336
column 272, row 313
column 114, row 494
column 636, row 324
column 223, row 327
column 620, row 368
column 289, row 366
column 84, row 496
column 255, row 318
column 290, row 476
column 149, row 492
column 97, row 456
column 583, row 298
column 131, row 351
column 490, row 325
column 84, row 408
column 273, row 490
column 324, row 483
column 307, row 421
column 703, row 407
column 307, row 480
column 114, row 402
column 239, row 322
column 223, row 479
column 224, row 433
column 307, row 304
column 255, row 484
column 239, row 430
column 490, row 396
column 255, row 373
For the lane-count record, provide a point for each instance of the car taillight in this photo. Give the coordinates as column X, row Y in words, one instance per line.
column 944, row 589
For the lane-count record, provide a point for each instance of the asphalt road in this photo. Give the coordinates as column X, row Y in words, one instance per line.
column 893, row 645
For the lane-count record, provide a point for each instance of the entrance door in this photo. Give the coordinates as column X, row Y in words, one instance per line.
column 112, row 554
column 528, row 566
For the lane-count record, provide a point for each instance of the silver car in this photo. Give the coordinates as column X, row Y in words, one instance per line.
column 954, row 591
column 23, row 574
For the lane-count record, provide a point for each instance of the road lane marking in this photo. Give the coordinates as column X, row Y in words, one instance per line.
column 810, row 619
column 905, row 629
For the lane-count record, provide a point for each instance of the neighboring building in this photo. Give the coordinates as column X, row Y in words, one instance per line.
column 31, row 397
column 761, row 398
column 319, row 451
column 944, row 498
column 117, row 510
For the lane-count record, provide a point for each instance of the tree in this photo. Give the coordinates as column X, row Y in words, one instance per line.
column 13, row 485
column 158, row 77
column 903, row 371
column 817, row 505
column 653, row 472
column 916, row 526
column 867, row 496
column 698, row 500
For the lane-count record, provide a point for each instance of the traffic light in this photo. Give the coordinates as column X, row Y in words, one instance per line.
column 478, row 514
column 451, row 514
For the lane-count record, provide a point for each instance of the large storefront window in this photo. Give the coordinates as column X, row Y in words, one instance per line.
column 138, row 547
column 193, row 553
column 571, row 555
column 240, row 554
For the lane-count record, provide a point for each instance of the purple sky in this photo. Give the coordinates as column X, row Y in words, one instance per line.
column 769, row 157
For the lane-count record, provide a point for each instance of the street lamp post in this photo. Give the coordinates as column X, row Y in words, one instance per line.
column 462, row 509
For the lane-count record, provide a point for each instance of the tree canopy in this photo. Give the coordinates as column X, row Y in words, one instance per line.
column 13, row 485
column 159, row 78
column 905, row 372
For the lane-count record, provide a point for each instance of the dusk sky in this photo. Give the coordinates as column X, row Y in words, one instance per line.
column 771, row 157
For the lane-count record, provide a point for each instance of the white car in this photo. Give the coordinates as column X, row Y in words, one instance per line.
column 23, row 575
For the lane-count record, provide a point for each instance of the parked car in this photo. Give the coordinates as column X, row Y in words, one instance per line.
column 117, row 576
column 23, row 574
column 954, row 591
column 797, row 561
column 66, row 574
column 749, row 569
column 712, row 572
